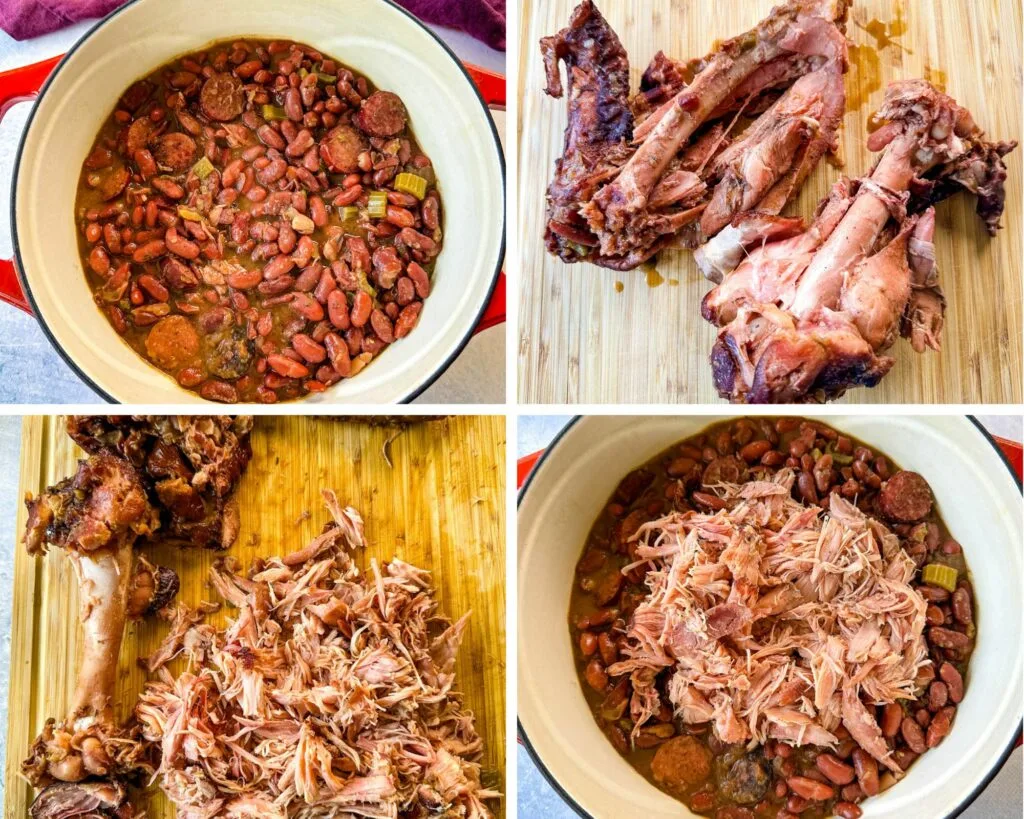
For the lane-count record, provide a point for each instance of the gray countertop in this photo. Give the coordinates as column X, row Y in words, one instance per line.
column 31, row 370
column 1000, row 800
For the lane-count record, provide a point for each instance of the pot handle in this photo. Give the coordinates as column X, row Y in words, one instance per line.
column 525, row 465
column 19, row 85
column 492, row 89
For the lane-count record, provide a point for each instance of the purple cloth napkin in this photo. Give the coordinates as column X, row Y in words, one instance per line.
column 23, row 19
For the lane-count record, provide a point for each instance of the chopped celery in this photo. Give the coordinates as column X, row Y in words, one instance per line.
column 411, row 183
column 378, row 207
column 203, row 168
column 189, row 214
column 272, row 112
column 816, row 454
column 349, row 213
column 328, row 79
column 303, row 72
column 938, row 574
column 840, row 458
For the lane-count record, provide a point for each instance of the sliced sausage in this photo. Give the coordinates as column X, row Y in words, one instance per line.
column 113, row 182
column 172, row 342
column 136, row 94
column 139, row 134
column 382, row 114
column 680, row 762
column 633, row 485
column 729, row 469
column 222, row 98
column 341, row 147
column 905, row 497
column 747, row 781
column 175, row 152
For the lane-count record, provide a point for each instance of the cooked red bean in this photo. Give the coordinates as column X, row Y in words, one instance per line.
column 954, row 682
column 940, row 726
column 810, row 789
column 948, row 638
column 913, row 735
column 835, row 769
column 867, row 772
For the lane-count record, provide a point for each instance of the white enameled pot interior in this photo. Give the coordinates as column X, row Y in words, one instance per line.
column 977, row 498
column 375, row 39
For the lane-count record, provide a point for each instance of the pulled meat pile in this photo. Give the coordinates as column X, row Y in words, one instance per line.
column 668, row 165
column 776, row 620
column 807, row 313
column 190, row 465
column 331, row 694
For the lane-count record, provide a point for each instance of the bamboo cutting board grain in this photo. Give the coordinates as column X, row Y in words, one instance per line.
column 441, row 507
column 582, row 341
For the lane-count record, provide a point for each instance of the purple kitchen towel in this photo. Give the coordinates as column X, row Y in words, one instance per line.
column 483, row 19
column 22, row 19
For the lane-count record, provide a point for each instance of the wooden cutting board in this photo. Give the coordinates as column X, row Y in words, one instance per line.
column 441, row 506
column 581, row 340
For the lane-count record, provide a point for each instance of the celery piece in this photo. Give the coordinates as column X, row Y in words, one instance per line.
column 411, row 183
column 189, row 214
column 840, row 458
column 938, row 574
column 328, row 79
column 378, row 207
column 349, row 213
column 203, row 168
column 272, row 112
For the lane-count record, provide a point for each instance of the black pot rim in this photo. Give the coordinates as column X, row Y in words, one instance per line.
column 19, row 266
column 572, row 803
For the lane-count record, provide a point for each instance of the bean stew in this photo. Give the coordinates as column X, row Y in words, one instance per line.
column 258, row 221
column 775, row 778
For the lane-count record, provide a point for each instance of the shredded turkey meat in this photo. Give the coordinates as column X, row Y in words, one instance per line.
column 774, row 620
column 330, row 694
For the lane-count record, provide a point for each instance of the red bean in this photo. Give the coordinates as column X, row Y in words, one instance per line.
column 836, row 770
column 361, row 307
column 338, row 353
column 278, row 266
column 149, row 251
column 382, row 326
column 286, row 366
column 961, row 603
column 219, row 391
column 939, row 726
column 99, row 261
column 954, row 682
column 867, row 772
column 913, row 735
column 153, row 287
column 595, row 676
column 307, row 307
column 810, row 788
column 847, row 810
column 244, row 279
column 180, row 246
column 308, row 348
